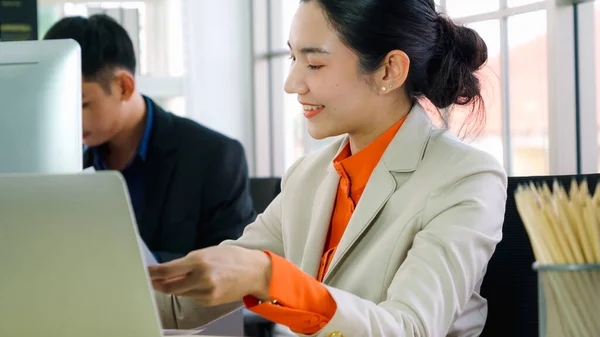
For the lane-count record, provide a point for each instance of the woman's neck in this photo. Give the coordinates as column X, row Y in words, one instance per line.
column 365, row 136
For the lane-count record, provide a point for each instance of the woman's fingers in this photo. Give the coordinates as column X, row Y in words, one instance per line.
column 172, row 269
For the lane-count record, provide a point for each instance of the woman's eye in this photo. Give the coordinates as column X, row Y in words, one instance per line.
column 310, row 66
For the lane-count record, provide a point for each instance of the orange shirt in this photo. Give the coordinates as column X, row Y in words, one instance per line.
column 303, row 303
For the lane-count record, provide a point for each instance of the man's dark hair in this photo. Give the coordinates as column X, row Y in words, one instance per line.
column 105, row 45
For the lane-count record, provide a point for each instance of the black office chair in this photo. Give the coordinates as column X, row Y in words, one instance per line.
column 510, row 284
column 263, row 191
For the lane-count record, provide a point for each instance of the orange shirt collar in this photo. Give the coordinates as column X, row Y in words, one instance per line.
column 359, row 166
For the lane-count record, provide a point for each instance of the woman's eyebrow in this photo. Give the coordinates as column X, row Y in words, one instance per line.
column 311, row 50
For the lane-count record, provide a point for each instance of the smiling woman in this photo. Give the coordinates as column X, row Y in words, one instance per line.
column 387, row 231
column 435, row 72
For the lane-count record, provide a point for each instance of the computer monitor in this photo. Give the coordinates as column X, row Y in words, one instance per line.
column 40, row 107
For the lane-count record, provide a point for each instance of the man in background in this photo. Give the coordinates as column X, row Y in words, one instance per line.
column 188, row 184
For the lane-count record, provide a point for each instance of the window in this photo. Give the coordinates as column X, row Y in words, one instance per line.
column 595, row 9
column 588, row 17
column 587, row 20
column 281, row 137
column 514, row 83
column 596, row 56
column 456, row 8
column 517, row 3
column 528, row 93
column 489, row 76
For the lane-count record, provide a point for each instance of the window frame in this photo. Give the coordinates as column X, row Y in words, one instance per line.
column 563, row 134
column 587, row 126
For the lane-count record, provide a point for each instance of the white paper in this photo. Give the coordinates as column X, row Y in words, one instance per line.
column 170, row 332
column 230, row 318
column 149, row 259
column 90, row 169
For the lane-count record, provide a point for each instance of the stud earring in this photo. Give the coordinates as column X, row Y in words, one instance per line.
column 391, row 86
column 384, row 89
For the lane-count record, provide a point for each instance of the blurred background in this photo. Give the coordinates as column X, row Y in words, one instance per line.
column 223, row 63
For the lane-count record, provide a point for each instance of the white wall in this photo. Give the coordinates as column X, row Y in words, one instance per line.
column 219, row 63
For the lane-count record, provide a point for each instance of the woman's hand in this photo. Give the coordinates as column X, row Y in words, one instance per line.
column 215, row 275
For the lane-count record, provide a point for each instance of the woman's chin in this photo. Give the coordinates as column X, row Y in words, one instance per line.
column 320, row 133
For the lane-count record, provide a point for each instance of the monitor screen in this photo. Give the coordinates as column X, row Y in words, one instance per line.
column 40, row 107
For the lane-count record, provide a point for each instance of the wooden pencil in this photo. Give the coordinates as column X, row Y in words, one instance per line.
column 564, row 229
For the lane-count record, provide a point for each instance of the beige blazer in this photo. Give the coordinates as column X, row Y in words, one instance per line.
column 415, row 251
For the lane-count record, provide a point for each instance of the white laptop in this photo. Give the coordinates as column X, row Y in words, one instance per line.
column 71, row 264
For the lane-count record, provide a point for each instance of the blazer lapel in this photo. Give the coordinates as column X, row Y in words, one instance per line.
column 319, row 223
column 402, row 155
column 380, row 188
column 160, row 167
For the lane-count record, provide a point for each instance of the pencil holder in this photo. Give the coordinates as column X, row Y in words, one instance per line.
column 569, row 300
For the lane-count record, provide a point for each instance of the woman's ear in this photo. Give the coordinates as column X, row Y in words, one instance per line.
column 393, row 73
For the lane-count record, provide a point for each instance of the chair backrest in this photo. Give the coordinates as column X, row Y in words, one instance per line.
column 263, row 191
column 510, row 284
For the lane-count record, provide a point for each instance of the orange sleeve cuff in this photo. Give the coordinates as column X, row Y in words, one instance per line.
column 304, row 304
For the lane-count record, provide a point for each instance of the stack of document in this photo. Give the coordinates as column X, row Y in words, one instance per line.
column 169, row 332
column 149, row 259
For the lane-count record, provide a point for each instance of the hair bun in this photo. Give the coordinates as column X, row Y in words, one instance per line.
column 459, row 52
column 463, row 42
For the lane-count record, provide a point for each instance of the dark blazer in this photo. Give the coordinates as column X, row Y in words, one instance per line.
column 196, row 187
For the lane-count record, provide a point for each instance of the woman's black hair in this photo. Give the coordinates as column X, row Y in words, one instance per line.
column 443, row 56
